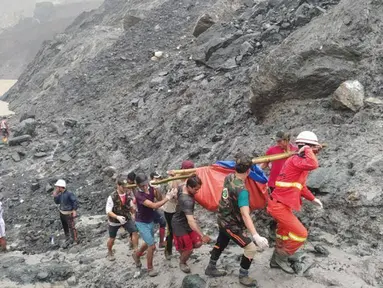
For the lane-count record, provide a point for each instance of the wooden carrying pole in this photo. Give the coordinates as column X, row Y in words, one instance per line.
column 180, row 177
column 256, row 160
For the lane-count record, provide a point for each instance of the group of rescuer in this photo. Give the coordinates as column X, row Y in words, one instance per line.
column 139, row 209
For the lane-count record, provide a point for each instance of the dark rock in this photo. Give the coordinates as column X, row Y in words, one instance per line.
column 26, row 127
column 35, row 186
column 18, row 140
column 216, row 138
column 49, row 188
column 203, row 23
column 349, row 95
column 193, row 281
column 70, row 122
column 326, row 180
column 40, row 154
column 27, row 115
column 130, row 21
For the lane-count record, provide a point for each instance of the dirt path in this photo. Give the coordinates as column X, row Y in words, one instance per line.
column 340, row 269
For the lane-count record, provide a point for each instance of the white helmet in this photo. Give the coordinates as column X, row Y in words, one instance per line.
column 60, row 183
column 307, row 137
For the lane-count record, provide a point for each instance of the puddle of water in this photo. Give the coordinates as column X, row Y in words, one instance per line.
column 5, row 85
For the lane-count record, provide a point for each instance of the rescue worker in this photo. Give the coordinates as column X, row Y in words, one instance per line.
column 283, row 145
column 290, row 186
column 118, row 209
column 170, row 209
column 4, row 129
column 187, row 233
column 159, row 217
column 68, row 210
column 3, row 242
column 233, row 219
column 131, row 192
column 145, row 199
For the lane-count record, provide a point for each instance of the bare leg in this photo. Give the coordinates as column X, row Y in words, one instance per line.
column 110, row 244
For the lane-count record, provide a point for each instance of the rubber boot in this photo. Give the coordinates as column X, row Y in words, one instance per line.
column 297, row 257
column 212, row 271
column 282, row 260
column 273, row 264
column 247, row 281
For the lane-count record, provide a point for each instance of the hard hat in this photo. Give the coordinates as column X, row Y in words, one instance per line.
column 307, row 137
column 60, row 183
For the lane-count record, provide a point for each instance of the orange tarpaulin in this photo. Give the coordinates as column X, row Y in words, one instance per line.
column 212, row 185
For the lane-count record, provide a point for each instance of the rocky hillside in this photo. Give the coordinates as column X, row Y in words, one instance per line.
column 22, row 39
column 95, row 97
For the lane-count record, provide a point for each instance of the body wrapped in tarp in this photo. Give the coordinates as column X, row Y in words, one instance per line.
column 212, row 185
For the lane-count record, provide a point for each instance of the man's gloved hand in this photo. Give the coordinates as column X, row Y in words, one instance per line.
column 318, row 202
column 261, row 241
column 171, row 194
column 121, row 219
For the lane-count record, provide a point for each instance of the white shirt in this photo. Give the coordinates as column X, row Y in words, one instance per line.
column 2, row 224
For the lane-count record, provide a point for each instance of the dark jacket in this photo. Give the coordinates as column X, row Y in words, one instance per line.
column 67, row 201
column 119, row 208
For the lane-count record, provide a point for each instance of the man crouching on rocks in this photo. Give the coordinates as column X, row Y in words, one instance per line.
column 68, row 206
column 119, row 208
column 3, row 242
column 233, row 220
column 187, row 233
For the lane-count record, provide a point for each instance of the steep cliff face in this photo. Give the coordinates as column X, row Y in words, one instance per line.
column 100, row 99
column 34, row 23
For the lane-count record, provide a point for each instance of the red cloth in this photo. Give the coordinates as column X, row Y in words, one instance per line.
column 296, row 169
column 276, row 166
column 212, row 185
column 187, row 241
column 287, row 223
column 123, row 198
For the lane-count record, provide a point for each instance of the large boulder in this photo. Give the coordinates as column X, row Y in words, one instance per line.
column 18, row 140
column 349, row 95
column 203, row 23
column 130, row 21
column 193, row 281
column 26, row 127
column 314, row 60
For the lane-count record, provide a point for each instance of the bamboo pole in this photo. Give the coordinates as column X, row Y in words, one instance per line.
column 256, row 160
column 178, row 177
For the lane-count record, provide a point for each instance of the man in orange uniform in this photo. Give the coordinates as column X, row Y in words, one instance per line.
column 283, row 145
column 290, row 186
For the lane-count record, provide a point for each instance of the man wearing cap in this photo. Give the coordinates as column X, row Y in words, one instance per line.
column 283, row 145
column 119, row 208
column 170, row 208
column 159, row 217
column 145, row 198
column 68, row 207
column 3, row 242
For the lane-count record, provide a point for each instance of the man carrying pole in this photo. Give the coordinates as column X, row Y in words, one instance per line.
column 290, row 186
column 233, row 219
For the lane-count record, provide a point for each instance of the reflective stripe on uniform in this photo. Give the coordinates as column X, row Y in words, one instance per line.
column 282, row 237
column 291, row 236
column 296, row 238
column 288, row 184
